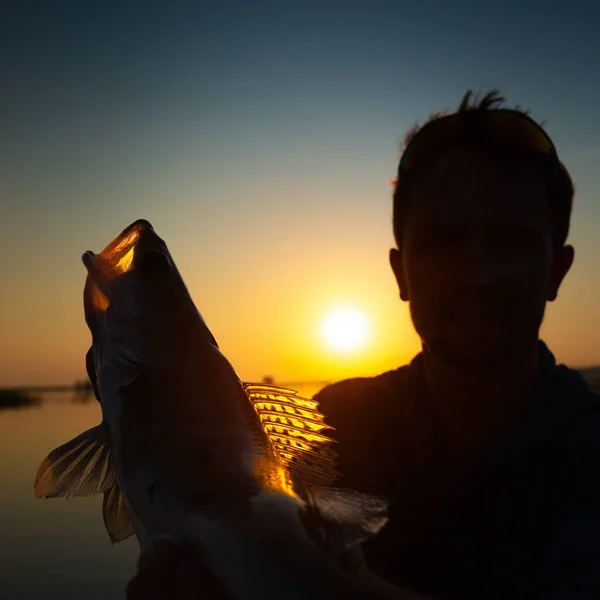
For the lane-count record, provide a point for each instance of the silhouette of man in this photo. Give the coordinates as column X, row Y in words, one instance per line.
column 488, row 451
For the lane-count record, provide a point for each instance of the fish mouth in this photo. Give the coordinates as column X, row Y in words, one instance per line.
column 125, row 251
column 135, row 244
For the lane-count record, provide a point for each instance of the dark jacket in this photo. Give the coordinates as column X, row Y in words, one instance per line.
column 524, row 524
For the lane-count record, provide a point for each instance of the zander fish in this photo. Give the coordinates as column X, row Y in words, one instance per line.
column 187, row 454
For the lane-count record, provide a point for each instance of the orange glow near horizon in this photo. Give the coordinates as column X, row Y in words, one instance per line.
column 265, row 306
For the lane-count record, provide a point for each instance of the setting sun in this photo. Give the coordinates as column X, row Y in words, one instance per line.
column 345, row 329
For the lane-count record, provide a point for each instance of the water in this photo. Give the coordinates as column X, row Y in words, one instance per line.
column 56, row 548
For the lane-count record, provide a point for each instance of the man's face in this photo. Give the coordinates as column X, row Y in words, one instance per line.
column 476, row 263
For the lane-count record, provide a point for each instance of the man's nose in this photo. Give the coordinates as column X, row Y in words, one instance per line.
column 480, row 261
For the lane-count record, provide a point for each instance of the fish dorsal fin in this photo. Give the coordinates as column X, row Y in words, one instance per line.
column 81, row 467
column 114, row 511
column 295, row 429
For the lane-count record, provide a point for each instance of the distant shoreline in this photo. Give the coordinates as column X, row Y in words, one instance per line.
column 42, row 389
column 86, row 385
column 590, row 374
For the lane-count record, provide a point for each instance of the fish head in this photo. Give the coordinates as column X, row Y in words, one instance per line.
column 137, row 306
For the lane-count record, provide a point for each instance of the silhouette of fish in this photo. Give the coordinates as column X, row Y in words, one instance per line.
column 189, row 455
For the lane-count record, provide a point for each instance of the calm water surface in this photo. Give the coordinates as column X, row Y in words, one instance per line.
column 55, row 548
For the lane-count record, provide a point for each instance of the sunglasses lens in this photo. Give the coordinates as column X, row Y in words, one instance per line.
column 509, row 127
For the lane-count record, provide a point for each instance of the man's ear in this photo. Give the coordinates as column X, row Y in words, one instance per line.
column 397, row 265
column 560, row 267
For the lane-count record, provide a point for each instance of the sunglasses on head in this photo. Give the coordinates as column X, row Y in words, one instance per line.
column 502, row 126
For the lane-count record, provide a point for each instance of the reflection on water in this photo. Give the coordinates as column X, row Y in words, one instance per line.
column 83, row 392
column 56, row 548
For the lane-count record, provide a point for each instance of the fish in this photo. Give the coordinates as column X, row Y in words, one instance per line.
column 242, row 475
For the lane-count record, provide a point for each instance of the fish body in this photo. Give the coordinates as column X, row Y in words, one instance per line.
column 188, row 455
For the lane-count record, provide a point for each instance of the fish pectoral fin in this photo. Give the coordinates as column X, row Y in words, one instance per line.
column 348, row 518
column 116, row 519
column 81, row 467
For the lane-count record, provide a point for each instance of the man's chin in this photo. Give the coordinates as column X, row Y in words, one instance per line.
column 480, row 354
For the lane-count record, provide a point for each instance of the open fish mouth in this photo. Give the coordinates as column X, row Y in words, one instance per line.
column 134, row 244
column 136, row 275
column 125, row 251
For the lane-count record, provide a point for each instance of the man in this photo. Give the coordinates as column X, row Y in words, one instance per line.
column 488, row 452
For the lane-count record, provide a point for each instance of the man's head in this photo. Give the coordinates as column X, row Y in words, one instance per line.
column 481, row 214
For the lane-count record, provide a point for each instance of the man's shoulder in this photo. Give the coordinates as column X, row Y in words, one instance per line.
column 363, row 410
column 363, row 413
column 583, row 434
column 578, row 409
column 362, row 394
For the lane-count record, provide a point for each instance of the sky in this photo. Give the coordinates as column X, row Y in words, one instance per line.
column 259, row 139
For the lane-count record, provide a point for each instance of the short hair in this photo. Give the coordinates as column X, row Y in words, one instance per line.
column 560, row 185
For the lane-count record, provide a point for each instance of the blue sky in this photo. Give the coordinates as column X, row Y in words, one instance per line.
column 259, row 139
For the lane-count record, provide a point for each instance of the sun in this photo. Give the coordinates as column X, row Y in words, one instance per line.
column 345, row 329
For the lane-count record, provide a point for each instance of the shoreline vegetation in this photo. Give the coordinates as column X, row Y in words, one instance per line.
column 28, row 396
column 18, row 399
